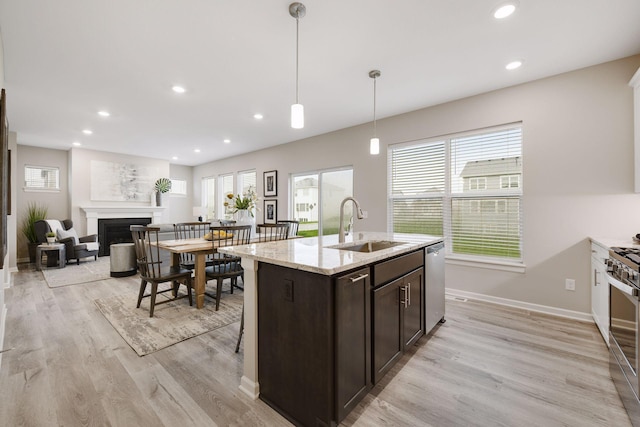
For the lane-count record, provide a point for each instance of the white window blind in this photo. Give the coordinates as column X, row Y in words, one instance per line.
column 226, row 187
column 41, row 178
column 465, row 187
column 246, row 181
column 209, row 196
column 179, row 187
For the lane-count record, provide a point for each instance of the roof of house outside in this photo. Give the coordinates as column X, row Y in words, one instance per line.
column 491, row 167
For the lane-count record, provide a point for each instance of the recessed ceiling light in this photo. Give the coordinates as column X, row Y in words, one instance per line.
column 178, row 89
column 513, row 65
column 227, row 141
column 197, row 150
column 257, row 116
column 174, row 158
column 104, row 113
column 87, row 132
column 505, row 10
column 77, row 144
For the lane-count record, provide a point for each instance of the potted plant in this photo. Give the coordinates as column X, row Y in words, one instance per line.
column 35, row 212
column 163, row 185
column 51, row 237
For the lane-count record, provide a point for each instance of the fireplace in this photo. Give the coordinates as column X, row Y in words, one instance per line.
column 116, row 230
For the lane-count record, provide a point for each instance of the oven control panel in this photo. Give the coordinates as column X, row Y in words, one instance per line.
column 622, row 272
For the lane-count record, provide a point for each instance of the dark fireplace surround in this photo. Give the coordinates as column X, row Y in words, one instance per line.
column 116, row 230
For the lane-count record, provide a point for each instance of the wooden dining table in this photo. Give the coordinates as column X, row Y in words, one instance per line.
column 200, row 248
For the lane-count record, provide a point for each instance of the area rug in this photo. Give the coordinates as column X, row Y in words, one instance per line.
column 73, row 274
column 171, row 323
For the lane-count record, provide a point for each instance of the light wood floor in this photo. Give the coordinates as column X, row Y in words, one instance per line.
column 488, row 365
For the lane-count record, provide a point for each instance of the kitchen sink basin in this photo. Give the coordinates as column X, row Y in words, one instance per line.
column 370, row 246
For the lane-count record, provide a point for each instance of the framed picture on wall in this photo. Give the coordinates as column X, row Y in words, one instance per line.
column 270, row 184
column 270, row 211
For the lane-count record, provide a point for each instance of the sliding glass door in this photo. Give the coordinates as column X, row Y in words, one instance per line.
column 316, row 200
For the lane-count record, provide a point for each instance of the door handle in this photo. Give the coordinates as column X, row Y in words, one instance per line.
column 360, row 277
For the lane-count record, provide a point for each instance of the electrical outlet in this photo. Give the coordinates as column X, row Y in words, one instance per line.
column 570, row 284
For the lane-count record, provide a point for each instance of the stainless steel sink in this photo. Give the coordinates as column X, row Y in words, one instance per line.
column 370, row 246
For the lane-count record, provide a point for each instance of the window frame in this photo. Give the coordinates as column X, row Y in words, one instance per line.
column 28, row 188
column 448, row 196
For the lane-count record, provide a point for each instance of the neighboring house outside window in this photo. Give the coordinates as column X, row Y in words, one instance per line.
column 467, row 188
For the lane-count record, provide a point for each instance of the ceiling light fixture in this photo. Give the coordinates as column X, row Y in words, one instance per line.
column 104, row 113
column 513, row 65
column 297, row 10
column 174, row 158
column 178, row 89
column 505, row 10
column 197, row 150
column 227, row 141
column 77, row 144
column 87, row 132
column 258, row 116
column 374, row 143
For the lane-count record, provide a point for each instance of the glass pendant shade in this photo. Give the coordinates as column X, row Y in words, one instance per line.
column 297, row 116
column 374, row 146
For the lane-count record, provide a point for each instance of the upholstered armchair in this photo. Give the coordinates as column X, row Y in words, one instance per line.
column 75, row 247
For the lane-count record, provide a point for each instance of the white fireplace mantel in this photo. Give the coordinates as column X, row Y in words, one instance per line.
column 93, row 213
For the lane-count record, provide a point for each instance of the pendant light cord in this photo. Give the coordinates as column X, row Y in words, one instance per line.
column 297, row 49
column 375, row 131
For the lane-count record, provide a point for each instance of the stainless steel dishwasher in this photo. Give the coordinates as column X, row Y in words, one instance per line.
column 434, row 286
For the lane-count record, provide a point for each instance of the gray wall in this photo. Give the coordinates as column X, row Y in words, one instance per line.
column 75, row 186
column 578, row 173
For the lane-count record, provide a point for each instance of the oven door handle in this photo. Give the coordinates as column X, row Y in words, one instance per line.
column 623, row 287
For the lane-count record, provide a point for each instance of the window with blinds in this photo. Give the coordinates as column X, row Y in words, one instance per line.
column 226, row 187
column 209, row 196
column 247, row 181
column 466, row 187
column 41, row 178
column 178, row 187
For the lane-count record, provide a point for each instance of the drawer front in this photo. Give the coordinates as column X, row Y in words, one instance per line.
column 396, row 267
column 599, row 253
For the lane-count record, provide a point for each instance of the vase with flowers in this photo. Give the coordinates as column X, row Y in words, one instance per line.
column 243, row 207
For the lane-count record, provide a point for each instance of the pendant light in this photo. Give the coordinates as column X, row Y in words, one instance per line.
column 297, row 10
column 374, row 144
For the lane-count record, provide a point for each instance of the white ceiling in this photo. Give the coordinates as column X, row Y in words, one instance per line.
column 67, row 59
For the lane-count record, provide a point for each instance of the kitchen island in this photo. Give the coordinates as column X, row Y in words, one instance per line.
column 328, row 320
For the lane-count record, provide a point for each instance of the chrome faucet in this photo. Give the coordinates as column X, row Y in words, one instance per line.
column 358, row 213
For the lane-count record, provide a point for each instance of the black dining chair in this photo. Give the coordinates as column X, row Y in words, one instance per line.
column 266, row 233
column 293, row 226
column 226, row 266
column 190, row 230
column 152, row 271
column 271, row 232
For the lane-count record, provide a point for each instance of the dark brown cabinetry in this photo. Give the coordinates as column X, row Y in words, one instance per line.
column 398, row 310
column 314, row 348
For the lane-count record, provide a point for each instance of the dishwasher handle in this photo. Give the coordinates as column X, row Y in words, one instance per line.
column 435, row 249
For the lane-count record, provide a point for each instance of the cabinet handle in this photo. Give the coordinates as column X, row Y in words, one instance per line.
column 404, row 300
column 409, row 293
column 360, row 277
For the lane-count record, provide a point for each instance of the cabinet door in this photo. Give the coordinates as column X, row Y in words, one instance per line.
column 387, row 332
column 411, row 293
column 353, row 340
column 600, row 290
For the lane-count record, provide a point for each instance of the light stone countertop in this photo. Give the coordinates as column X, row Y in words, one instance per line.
column 314, row 254
column 608, row 242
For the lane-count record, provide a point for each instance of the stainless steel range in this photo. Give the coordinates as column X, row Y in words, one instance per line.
column 623, row 275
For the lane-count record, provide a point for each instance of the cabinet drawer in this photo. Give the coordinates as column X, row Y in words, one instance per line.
column 600, row 253
column 394, row 268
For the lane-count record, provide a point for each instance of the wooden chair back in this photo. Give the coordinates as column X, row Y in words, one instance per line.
column 190, row 230
column 147, row 255
column 271, row 232
column 293, row 226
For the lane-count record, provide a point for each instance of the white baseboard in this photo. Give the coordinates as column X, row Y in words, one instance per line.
column 554, row 311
